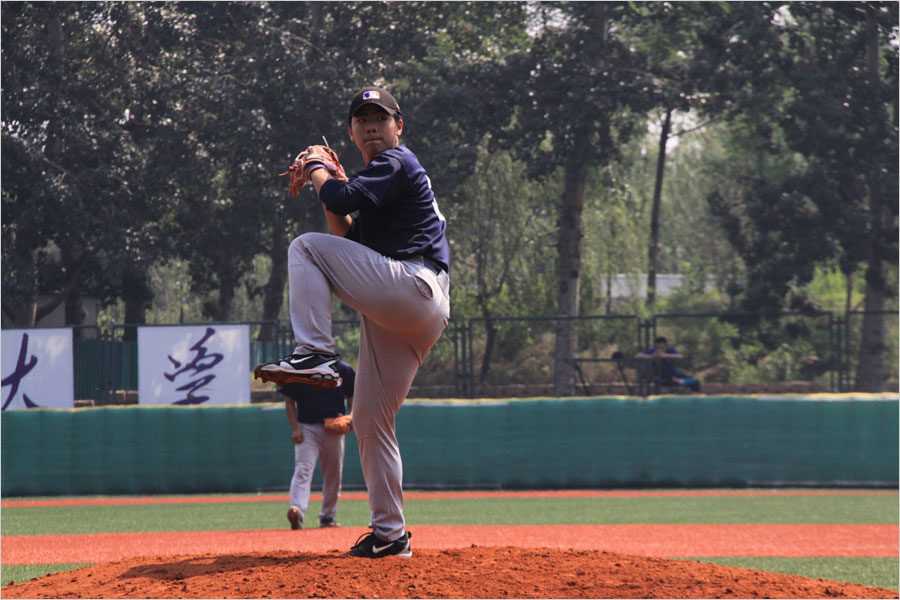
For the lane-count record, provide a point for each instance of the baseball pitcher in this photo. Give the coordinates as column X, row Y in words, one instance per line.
column 389, row 262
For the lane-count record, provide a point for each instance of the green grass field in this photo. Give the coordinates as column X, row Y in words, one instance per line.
column 815, row 509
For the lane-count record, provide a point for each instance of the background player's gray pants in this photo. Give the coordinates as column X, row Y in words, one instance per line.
column 404, row 307
column 317, row 445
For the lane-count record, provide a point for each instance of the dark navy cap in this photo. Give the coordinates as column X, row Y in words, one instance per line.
column 374, row 95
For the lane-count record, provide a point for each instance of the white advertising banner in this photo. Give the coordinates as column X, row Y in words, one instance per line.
column 37, row 368
column 203, row 364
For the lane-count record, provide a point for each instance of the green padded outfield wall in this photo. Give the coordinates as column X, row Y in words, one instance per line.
column 541, row 443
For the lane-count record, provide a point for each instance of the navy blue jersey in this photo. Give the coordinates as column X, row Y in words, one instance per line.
column 398, row 216
column 314, row 405
column 666, row 366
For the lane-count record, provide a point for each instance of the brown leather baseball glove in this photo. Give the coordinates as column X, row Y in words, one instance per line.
column 340, row 425
column 314, row 155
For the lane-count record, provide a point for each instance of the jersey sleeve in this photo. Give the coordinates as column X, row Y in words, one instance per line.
column 366, row 189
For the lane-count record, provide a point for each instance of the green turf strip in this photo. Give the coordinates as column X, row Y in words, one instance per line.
column 878, row 509
column 675, row 510
column 20, row 573
column 879, row 572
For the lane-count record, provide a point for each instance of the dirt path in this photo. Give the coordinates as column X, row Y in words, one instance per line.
column 648, row 540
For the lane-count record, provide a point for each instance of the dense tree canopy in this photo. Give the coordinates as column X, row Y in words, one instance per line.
column 136, row 135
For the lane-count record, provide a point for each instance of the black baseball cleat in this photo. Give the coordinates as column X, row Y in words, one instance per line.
column 295, row 518
column 371, row 546
column 317, row 370
column 328, row 522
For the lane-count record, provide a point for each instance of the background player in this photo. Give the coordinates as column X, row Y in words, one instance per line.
column 664, row 370
column 390, row 263
column 307, row 409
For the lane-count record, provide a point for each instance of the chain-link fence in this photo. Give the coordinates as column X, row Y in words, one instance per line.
column 756, row 348
column 729, row 352
column 517, row 356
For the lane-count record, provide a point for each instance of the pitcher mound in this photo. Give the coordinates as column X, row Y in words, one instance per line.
column 476, row 572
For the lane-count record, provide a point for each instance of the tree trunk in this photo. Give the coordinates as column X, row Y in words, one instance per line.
column 315, row 16
column 609, row 284
column 482, row 300
column 273, row 292
column 137, row 295
column 224, row 304
column 568, row 275
column 490, row 339
column 848, row 298
column 28, row 313
column 73, row 276
column 55, row 62
column 570, row 232
column 654, row 214
column 872, row 371
column 135, row 314
column 74, row 313
column 22, row 310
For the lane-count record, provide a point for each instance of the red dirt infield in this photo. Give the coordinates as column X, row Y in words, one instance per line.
column 543, row 561
column 647, row 540
column 475, row 572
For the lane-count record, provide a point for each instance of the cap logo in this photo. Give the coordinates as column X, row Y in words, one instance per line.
column 372, row 95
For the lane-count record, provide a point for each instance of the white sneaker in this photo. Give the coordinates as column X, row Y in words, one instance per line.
column 318, row 370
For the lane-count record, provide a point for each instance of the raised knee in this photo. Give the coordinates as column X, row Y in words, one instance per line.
column 297, row 252
column 300, row 245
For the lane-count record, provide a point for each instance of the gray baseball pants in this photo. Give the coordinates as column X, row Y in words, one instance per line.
column 317, row 445
column 404, row 307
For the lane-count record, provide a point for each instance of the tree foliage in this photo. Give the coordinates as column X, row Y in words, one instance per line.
column 80, row 201
column 140, row 135
column 819, row 160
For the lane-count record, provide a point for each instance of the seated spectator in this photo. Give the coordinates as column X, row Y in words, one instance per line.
column 664, row 370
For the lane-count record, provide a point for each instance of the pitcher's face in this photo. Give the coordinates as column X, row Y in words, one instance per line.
column 374, row 131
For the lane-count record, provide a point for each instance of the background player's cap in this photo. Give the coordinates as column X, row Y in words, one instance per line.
column 374, row 95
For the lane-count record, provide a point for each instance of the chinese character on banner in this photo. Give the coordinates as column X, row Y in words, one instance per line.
column 202, row 361
column 37, row 368
column 194, row 365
